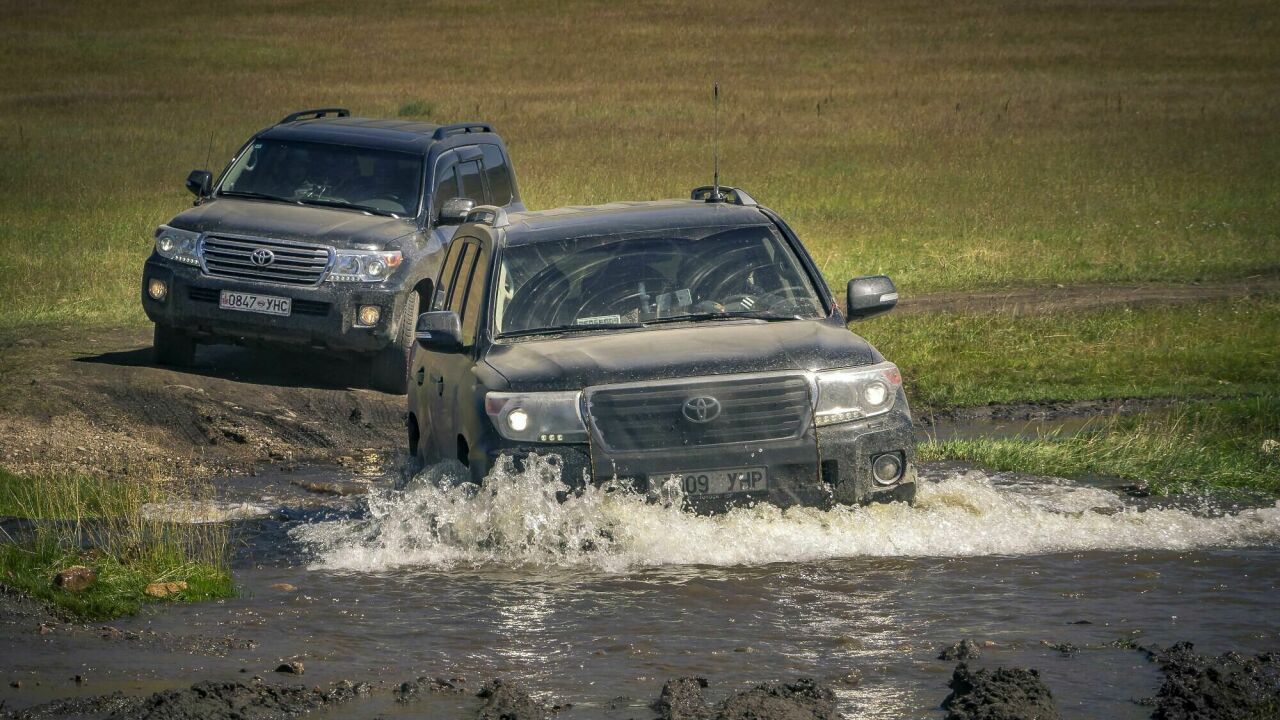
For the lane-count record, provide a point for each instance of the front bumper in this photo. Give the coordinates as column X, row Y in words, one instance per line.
column 824, row 467
column 323, row 316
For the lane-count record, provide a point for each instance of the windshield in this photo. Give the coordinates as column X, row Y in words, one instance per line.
column 598, row 283
column 378, row 181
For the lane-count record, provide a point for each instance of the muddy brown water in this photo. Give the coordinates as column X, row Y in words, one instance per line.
column 598, row 600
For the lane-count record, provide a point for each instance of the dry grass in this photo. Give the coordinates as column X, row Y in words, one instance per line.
column 953, row 145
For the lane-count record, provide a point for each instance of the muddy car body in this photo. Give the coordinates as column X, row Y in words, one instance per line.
column 686, row 340
column 325, row 231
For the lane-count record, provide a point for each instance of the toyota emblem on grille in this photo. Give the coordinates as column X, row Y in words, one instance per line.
column 262, row 257
column 701, row 409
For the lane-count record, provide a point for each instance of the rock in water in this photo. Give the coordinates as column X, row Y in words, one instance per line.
column 964, row 650
column 293, row 667
column 1207, row 688
column 508, row 702
column 76, row 578
column 1012, row 694
column 803, row 699
column 681, row 699
column 165, row 589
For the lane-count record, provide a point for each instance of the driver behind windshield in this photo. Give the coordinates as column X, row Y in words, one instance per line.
column 619, row 281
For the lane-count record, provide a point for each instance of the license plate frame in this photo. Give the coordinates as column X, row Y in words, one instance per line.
column 253, row 302
column 717, row 482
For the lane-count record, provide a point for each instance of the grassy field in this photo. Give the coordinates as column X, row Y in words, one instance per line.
column 1234, row 444
column 1212, row 349
column 104, row 525
column 953, row 145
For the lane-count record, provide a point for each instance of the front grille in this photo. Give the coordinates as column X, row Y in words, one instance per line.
column 292, row 264
column 652, row 416
column 300, row 307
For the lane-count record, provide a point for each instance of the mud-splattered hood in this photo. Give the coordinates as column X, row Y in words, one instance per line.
column 572, row 362
column 339, row 228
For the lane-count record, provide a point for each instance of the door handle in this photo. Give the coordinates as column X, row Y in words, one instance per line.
column 421, row 376
column 439, row 382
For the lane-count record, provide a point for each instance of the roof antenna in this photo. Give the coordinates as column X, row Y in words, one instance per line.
column 715, row 195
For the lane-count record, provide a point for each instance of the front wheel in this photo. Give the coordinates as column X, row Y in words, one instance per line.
column 173, row 347
column 390, row 369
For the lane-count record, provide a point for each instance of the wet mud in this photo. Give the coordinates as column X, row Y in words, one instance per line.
column 1000, row 694
column 1223, row 687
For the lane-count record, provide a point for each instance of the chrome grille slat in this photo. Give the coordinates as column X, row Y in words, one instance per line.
column 295, row 263
column 650, row 416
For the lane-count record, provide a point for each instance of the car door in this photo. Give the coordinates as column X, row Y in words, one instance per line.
column 425, row 373
column 452, row 168
column 451, row 373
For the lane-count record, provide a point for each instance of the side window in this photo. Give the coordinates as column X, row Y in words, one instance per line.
column 498, row 175
column 446, row 185
column 472, row 184
column 447, row 273
column 476, row 290
column 458, row 293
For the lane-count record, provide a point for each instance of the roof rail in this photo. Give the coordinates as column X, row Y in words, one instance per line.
column 315, row 114
column 445, row 131
column 490, row 215
column 736, row 196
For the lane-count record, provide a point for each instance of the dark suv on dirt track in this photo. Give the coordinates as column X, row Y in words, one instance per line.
column 680, row 341
column 324, row 231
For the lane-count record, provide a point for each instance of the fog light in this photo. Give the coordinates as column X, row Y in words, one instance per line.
column 518, row 420
column 887, row 468
column 369, row 315
column 157, row 289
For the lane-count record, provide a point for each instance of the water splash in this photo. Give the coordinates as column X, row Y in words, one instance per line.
column 198, row 512
column 515, row 519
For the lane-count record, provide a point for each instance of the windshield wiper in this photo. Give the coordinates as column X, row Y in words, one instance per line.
column 256, row 196
column 569, row 328
column 347, row 206
column 725, row 315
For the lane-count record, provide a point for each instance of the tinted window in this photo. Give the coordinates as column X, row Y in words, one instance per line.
column 458, row 293
column 446, row 186
column 379, row 181
column 498, row 175
column 472, row 185
column 695, row 274
column 475, row 298
column 447, row 273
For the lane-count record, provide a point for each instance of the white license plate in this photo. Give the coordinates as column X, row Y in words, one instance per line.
column 249, row 302
column 719, row 482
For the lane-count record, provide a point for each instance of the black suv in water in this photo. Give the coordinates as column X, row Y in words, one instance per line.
column 690, row 341
column 324, row 231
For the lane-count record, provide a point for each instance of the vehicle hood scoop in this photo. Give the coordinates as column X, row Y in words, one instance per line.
column 324, row 226
column 577, row 361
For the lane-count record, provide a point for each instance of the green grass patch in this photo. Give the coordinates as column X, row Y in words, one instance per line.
column 105, row 525
column 1211, row 349
column 1231, row 444
column 952, row 145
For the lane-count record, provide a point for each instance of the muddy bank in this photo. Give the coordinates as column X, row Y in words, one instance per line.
column 204, row 701
column 1229, row 686
column 91, row 401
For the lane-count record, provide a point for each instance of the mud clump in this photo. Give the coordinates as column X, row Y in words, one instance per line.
column 964, row 650
column 409, row 691
column 1002, row 694
column 1232, row 686
column 503, row 701
column 204, row 701
column 804, row 699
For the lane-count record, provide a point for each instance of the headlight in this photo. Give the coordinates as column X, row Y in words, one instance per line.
column 537, row 417
column 856, row 393
column 179, row 245
column 364, row 265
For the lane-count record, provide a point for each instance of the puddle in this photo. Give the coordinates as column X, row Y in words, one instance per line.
column 606, row 595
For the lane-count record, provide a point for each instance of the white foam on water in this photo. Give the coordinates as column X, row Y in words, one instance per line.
column 515, row 519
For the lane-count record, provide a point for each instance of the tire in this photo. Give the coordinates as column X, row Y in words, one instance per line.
column 389, row 371
column 173, row 347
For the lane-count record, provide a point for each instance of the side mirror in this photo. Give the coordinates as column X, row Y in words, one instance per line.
column 455, row 210
column 870, row 296
column 439, row 330
column 200, row 182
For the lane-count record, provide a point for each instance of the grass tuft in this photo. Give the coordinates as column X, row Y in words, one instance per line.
column 417, row 109
column 57, row 521
column 1231, row 444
